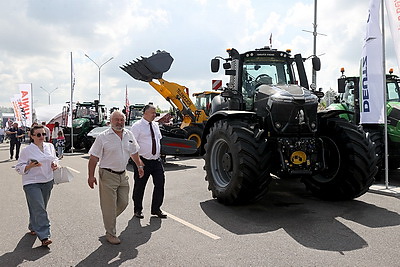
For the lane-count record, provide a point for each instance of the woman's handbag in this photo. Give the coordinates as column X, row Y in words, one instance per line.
column 62, row 175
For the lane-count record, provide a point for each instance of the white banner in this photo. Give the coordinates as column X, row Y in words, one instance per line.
column 372, row 102
column 26, row 102
column 393, row 12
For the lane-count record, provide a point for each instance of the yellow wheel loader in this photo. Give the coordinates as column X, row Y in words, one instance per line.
column 191, row 116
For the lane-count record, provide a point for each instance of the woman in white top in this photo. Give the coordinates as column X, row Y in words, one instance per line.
column 54, row 133
column 36, row 164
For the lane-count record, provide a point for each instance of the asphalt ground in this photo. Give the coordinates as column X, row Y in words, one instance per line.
column 289, row 227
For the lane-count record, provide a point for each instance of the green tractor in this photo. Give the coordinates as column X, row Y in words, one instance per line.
column 85, row 117
column 348, row 105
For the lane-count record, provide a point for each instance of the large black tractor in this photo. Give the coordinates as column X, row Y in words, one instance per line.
column 266, row 122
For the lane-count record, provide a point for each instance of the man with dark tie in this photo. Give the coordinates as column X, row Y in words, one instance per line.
column 148, row 135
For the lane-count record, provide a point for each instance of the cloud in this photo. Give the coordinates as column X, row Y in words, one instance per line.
column 38, row 36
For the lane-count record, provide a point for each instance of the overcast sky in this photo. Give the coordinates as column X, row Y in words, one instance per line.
column 37, row 37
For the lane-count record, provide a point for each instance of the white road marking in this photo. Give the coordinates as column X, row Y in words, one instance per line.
column 194, row 227
column 73, row 170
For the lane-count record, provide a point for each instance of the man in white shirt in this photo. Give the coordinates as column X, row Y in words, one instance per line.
column 112, row 149
column 148, row 136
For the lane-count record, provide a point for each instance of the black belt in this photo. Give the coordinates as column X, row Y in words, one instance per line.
column 149, row 159
column 109, row 170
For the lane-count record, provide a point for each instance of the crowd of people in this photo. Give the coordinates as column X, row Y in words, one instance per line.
column 15, row 135
column 111, row 152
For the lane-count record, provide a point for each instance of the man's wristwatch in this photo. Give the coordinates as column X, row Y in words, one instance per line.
column 141, row 167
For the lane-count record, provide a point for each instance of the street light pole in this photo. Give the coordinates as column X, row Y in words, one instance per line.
column 99, row 67
column 49, row 92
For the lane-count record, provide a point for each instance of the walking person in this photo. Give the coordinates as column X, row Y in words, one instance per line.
column 47, row 130
column 148, row 136
column 2, row 132
column 15, row 134
column 60, row 144
column 112, row 149
column 36, row 165
column 54, row 133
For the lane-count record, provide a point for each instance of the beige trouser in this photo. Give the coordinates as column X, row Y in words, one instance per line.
column 114, row 197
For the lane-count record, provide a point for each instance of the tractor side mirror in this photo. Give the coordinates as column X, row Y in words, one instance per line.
column 341, row 85
column 316, row 63
column 214, row 65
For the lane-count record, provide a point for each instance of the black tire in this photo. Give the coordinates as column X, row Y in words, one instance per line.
column 236, row 163
column 350, row 162
column 376, row 136
column 394, row 155
column 194, row 133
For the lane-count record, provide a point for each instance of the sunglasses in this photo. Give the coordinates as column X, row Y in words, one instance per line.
column 40, row 134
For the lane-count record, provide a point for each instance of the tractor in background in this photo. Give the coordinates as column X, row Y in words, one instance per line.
column 348, row 104
column 85, row 117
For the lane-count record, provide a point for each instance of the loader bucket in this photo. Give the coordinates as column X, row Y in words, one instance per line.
column 148, row 68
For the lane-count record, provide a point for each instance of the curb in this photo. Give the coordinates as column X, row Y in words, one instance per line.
column 383, row 190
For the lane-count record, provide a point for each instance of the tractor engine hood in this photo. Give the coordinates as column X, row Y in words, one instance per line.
column 287, row 94
column 80, row 122
column 292, row 109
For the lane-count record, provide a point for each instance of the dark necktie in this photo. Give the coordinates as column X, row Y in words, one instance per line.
column 153, row 141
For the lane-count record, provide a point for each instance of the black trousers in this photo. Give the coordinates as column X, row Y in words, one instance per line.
column 154, row 168
column 17, row 145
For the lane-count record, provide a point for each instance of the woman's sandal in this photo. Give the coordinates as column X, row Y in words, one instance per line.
column 32, row 232
column 46, row 242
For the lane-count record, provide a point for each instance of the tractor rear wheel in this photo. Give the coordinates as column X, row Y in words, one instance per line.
column 236, row 163
column 350, row 161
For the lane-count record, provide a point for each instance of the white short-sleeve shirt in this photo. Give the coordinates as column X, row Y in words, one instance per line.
column 114, row 153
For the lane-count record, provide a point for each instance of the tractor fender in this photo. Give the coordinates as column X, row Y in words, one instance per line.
column 330, row 113
column 221, row 115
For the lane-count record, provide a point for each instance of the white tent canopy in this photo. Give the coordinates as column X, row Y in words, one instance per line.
column 49, row 114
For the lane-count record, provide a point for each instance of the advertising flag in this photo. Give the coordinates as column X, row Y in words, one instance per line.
column 393, row 12
column 372, row 102
column 26, row 102
column 126, row 101
column 15, row 100
column 70, row 108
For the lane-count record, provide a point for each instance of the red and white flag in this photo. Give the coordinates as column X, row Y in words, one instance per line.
column 126, row 101
column 372, row 102
column 25, row 103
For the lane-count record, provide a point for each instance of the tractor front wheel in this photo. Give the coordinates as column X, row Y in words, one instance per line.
column 236, row 163
column 350, row 162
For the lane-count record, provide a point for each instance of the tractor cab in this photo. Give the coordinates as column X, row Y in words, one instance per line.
column 392, row 87
column 93, row 111
column 135, row 113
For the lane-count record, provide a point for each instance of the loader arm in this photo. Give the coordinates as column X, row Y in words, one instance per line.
column 176, row 95
column 150, row 69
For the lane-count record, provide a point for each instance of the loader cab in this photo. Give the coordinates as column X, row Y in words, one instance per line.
column 204, row 99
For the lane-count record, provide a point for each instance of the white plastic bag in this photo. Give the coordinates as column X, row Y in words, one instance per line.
column 62, row 175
